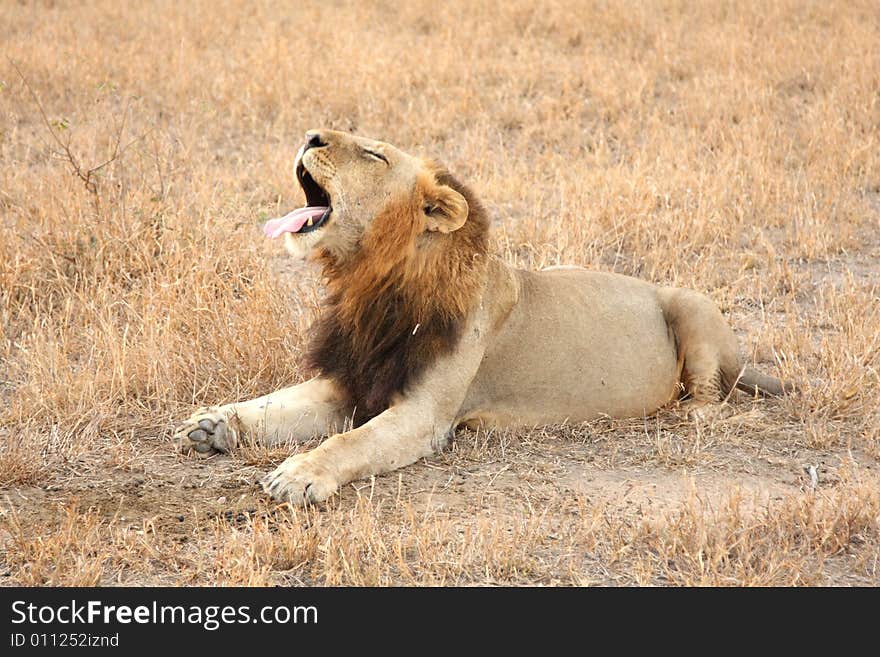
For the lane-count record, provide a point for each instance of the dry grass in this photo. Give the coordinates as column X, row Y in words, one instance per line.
column 726, row 146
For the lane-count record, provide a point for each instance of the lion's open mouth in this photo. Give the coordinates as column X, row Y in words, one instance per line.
column 304, row 220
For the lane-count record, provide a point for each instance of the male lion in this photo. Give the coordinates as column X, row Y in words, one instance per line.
column 423, row 330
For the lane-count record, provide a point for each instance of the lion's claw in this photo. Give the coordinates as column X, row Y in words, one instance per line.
column 300, row 480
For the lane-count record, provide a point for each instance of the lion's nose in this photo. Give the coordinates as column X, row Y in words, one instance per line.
column 313, row 140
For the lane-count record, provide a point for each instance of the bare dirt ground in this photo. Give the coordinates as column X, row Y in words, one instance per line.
column 731, row 148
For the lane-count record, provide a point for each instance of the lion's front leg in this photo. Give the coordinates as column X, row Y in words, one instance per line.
column 298, row 413
column 399, row 436
column 417, row 425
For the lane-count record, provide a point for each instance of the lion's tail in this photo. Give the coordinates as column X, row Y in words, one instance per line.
column 755, row 382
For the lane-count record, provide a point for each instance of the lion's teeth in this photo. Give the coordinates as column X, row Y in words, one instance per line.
column 310, row 222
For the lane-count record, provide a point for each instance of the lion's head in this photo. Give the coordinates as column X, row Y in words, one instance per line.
column 404, row 248
column 351, row 183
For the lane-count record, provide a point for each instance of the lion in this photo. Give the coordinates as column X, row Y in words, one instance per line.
column 423, row 330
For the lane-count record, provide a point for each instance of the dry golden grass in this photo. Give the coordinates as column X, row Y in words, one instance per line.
column 726, row 146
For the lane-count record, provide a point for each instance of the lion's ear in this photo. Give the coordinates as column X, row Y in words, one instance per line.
column 445, row 209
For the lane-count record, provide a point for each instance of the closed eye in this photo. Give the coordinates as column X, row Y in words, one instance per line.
column 375, row 155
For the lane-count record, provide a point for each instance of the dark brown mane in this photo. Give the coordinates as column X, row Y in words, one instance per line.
column 400, row 303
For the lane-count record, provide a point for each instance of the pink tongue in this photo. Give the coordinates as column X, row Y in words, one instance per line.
column 293, row 222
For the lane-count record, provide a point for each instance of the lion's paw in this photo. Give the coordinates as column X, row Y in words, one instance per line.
column 300, row 480
column 207, row 431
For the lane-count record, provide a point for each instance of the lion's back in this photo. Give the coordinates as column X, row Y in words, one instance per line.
column 577, row 344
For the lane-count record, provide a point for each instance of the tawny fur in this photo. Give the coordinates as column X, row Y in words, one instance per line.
column 423, row 331
column 386, row 318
